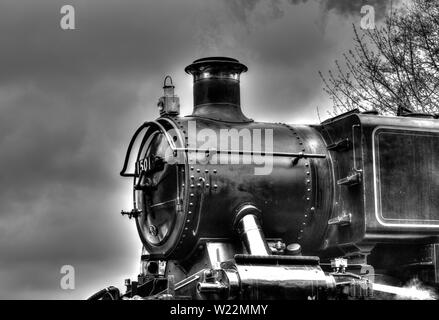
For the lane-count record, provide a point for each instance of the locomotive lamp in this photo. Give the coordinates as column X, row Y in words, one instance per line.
column 169, row 103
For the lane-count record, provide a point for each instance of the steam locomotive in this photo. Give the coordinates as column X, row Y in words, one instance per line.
column 230, row 208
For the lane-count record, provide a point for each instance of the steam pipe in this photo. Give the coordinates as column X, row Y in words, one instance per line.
column 249, row 228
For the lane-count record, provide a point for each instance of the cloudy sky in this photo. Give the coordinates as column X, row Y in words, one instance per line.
column 70, row 101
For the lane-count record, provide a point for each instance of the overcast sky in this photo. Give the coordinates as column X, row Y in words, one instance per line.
column 70, row 101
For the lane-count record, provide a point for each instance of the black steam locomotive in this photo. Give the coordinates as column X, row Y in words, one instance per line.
column 230, row 208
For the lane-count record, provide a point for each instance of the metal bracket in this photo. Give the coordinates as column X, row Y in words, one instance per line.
column 340, row 145
column 339, row 264
column 343, row 220
column 350, row 180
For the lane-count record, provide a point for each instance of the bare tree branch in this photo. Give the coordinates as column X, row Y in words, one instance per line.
column 396, row 65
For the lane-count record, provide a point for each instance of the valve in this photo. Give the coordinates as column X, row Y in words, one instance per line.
column 133, row 213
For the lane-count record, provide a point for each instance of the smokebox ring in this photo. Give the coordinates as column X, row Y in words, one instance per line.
column 230, row 64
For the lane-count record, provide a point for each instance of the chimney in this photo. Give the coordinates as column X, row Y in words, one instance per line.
column 216, row 89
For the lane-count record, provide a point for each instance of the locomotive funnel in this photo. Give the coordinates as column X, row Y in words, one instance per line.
column 216, row 88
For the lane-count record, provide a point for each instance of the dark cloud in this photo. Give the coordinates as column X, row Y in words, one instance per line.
column 274, row 9
column 110, row 39
column 70, row 101
column 353, row 7
column 266, row 10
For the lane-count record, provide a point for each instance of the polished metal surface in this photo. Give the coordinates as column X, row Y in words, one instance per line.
column 270, row 278
column 286, row 282
column 207, row 192
column 249, row 228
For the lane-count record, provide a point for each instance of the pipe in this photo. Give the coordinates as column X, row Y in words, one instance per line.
column 206, row 287
column 249, row 228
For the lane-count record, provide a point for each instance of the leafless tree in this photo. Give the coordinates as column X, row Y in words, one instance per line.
column 393, row 67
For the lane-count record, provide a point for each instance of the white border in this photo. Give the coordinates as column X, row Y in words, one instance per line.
column 378, row 213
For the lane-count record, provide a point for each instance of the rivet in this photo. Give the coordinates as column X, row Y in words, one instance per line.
column 214, row 170
column 191, row 204
column 153, row 230
column 307, row 172
column 198, row 170
column 192, row 177
column 313, row 209
column 200, row 179
column 192, row 168
column 189, row 212
column 207, row 185
column 198, row 184
column 192, row 186
column 207, row 171
column 309, row 190
column 182, row 185
column 191, row 194
column 215, row 186
column 307, row 199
